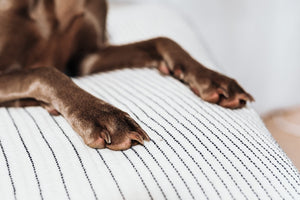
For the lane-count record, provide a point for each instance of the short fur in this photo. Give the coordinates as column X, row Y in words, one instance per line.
column 42, row 40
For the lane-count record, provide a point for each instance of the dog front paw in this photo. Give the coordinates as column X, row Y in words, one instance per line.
column 211, row 86
column 222, row 90
column 104, row 126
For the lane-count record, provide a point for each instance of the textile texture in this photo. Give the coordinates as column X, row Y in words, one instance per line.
column 197, row 150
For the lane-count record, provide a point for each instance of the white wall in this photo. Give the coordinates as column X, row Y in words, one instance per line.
column 255, row 41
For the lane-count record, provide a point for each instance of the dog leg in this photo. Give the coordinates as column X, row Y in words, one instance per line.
column 97, row 122
column 29, row 103
column 170, row 58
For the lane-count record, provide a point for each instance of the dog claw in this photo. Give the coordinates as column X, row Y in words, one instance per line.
column 105, row 135
column 232, row 97
column 212, row 98
column 144, row 134
column 195, row 90
column 138, row 129
column 112, row 128
column 163, row 68
column 223, row 92
column 53, row 112
column 238, row 101
column 136, row 137
column 248, row 97
column 179, row 74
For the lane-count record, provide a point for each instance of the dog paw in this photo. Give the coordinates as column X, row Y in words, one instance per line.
column 219, row 89
column 104, row 126
column 211, row 86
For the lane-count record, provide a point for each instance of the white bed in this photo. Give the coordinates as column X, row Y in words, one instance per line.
column 197, row 150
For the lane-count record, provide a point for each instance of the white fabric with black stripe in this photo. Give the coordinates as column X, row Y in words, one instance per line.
column 197, row 150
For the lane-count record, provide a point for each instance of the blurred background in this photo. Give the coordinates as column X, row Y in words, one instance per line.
column 255, row 41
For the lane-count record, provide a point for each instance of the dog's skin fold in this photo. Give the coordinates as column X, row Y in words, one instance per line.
column 41, row 40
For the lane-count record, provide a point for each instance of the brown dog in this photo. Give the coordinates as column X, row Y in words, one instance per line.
column 41, row 39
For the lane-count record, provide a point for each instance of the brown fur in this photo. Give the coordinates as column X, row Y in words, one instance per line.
column 40, row 40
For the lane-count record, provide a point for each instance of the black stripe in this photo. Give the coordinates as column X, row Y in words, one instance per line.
column 139, row 175
column 174, row 169
column 28, row 154
column 166, row 143
column 205, row 109
column 247, row 140
column 258, row 149
column 52, row 152
column 173, row 126
column 141, row 85
column 277, row 155
column 255, row 155
column 202, row 108
column 183, row 107
column 79, row 158
column 167, row 175
column 152, row 172
column 110, row 172
column 268, row 138
column 8, row 170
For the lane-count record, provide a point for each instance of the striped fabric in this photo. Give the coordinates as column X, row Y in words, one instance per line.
column 197, row 150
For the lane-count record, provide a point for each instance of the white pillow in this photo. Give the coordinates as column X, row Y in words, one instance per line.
column 198, row 150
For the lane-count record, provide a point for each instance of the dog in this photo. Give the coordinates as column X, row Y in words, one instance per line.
column 43, row 40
